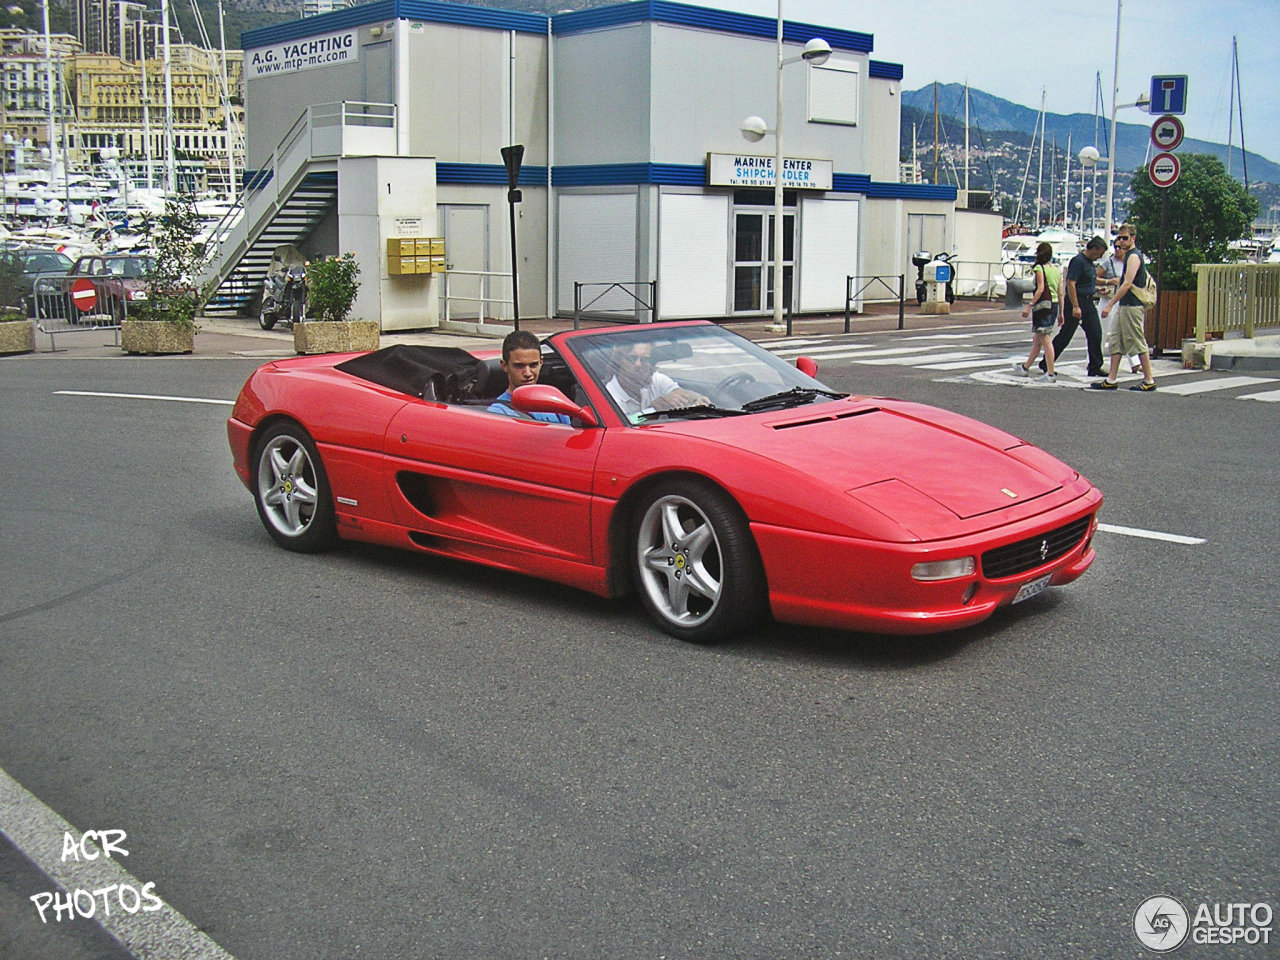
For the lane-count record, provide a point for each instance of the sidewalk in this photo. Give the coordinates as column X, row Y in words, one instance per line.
column 243, row 337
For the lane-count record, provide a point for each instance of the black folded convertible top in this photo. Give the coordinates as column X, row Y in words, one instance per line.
column 434, row 373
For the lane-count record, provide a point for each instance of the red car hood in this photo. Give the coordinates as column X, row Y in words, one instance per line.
column 921, row 467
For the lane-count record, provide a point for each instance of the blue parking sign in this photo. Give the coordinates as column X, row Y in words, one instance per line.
column 1169, row 95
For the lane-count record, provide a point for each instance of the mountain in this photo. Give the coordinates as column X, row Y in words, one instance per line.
column 992, row 113
column 1000, row 139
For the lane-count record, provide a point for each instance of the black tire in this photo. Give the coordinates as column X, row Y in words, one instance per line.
column 291, row 490
column 694, row 562
column 266, row 319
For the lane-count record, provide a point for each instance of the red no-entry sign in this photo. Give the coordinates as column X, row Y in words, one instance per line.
column 83, row 294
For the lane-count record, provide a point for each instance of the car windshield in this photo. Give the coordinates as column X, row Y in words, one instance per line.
column 46, row 263
column 130, row 267
column 693, row 372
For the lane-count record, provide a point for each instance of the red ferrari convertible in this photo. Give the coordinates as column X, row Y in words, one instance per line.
column 693, row 466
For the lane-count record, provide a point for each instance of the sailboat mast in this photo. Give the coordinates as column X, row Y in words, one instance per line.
column 170, row 184
column 966, row 142
column 1239, row 96
column 935, row 131
column 1040, row 170
column 226, row 107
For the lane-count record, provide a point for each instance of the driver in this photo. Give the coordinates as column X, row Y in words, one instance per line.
column 638, row 387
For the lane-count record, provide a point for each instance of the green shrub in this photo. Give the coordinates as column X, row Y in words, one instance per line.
column 332, row 285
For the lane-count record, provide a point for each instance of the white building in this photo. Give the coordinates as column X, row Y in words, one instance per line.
column 635, row 169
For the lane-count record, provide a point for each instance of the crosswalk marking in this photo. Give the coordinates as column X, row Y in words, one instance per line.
column 969, row 358
column 1270, row 396
column 1220, row 383
column 922, row 362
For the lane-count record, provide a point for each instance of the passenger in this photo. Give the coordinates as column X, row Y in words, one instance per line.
column 638, row 387
column 522, row 362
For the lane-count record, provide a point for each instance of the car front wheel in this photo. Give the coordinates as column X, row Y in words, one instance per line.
column 695, row 564
column 292, row 492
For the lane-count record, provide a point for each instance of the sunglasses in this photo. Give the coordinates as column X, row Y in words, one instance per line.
column 638, row 359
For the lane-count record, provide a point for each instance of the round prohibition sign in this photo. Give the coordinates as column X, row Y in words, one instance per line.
column 1166, row 133
column 83, row 294
column 1164, row 169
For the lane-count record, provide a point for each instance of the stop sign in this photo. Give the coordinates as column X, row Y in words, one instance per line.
column 83, row 294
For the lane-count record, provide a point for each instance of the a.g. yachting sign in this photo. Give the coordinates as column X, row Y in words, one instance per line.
column 305, row 54
column 741, row 170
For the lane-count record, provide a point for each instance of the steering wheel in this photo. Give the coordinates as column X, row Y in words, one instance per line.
column 729, row 383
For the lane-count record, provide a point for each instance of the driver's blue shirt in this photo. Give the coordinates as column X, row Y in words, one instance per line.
column 502, row 405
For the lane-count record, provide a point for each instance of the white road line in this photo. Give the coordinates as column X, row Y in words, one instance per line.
column 1207, row 386
column 970, row 364
column 820, row 351
column 1270, row 396
column 1150, row 534
column 915, row 361
column 38, row 832
column 142, row 396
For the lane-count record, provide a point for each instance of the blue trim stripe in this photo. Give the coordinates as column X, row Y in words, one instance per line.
column 884, row 71
column 614, row 174
column 664, row 11
column 911, row 191
column 495, row 173
column 382, row 10
column 638, row 11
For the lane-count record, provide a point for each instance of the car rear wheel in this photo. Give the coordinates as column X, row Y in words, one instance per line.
column 695, row 564
column 292, row 492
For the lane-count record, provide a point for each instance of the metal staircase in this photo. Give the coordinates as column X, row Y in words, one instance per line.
column 283, row 202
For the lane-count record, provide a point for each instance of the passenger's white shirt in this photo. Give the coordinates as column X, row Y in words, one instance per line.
column 659, row 385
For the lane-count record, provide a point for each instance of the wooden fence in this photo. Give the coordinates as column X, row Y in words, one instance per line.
column 1234, row 297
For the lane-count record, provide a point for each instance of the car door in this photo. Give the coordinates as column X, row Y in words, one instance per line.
column 473, row 477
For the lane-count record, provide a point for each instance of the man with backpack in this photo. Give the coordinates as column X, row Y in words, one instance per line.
column 1128, row 336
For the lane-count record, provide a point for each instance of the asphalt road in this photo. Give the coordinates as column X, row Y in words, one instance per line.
column 373, row 754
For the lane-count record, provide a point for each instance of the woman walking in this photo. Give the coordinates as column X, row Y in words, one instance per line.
column 1043, row 311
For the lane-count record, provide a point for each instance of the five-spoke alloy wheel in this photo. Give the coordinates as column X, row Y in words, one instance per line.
column 292, row 492
column 696, row 566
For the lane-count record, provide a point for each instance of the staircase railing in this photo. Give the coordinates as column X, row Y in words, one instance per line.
column 321, row 131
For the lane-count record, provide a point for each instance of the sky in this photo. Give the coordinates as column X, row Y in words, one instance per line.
column 992, row 44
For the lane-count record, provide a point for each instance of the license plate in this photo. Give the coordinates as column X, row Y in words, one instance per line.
column 1029, row 590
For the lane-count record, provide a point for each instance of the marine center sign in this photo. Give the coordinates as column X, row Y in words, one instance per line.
column 742, row 170
column 308, row 54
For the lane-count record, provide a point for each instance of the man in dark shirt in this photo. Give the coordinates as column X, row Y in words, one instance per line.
column 1078, row 306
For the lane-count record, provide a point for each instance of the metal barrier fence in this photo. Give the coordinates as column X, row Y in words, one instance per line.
column 874, row 284
column 628, row 307
column 484, row 296
column 57, row 309
column 1236, row 297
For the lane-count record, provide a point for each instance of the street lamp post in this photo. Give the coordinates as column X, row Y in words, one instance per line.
column 816, row 51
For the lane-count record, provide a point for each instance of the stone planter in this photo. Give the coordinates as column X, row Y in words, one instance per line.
column 156, row 336
column 17, row 336
column 335, row 336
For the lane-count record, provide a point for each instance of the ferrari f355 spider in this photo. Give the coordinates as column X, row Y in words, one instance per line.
column 716, row 481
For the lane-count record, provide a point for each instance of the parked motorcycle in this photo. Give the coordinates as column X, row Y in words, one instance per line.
column 284, row 291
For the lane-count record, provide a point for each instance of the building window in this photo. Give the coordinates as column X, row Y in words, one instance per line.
column 833, row 93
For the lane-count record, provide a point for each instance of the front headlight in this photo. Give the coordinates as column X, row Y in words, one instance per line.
column 944, row 569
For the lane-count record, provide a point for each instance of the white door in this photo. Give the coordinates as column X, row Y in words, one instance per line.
column 466, row 250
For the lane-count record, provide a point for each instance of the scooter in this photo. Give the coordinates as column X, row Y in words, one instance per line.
column 284, row 291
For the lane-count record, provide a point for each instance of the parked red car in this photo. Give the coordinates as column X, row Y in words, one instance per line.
column 760, row 491
column 118, row 279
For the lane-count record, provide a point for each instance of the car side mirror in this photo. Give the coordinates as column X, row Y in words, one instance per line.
column 543, row 398
column 808, row 366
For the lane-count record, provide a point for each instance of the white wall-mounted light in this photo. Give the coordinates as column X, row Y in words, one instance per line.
column 754, row 129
